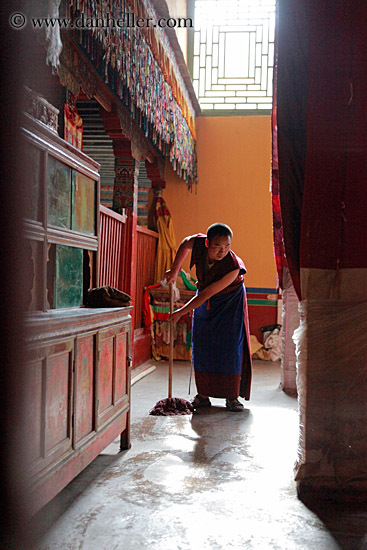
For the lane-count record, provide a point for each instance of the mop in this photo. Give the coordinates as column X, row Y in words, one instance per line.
column 171, row 406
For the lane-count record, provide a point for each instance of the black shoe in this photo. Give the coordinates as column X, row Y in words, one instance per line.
column 200, row 402
column 234, row 405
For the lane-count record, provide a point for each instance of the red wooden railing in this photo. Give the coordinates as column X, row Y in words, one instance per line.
column 111, row 257
column 146, row 250
column 111, row 247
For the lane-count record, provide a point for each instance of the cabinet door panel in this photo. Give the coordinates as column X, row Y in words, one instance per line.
column 112, row 373
column 34, row 411
column 105, row 374
column 84, row 387
column 58, row 402
column 49, row 402
column 120, row 370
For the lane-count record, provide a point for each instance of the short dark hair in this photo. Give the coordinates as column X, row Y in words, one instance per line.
column 218, row 230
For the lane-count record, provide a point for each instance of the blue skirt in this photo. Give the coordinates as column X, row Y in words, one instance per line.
column 218, row 339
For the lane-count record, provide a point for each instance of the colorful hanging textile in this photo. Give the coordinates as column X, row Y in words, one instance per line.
column 73, row 124
column 139, row 66
column 147, row 310
column 186, row 281
column 166, row 247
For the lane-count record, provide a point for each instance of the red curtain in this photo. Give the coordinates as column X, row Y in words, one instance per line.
column 321, row 134
column 279, row 250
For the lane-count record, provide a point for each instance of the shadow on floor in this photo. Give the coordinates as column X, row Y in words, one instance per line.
column 210, row 423
column 49, row 514
column 346, row 522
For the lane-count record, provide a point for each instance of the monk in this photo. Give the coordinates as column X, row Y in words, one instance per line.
column 220, row 332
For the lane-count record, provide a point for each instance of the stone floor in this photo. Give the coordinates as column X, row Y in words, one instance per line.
column 215, row 480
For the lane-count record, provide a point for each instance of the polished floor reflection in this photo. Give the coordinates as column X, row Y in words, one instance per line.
column 215, row 480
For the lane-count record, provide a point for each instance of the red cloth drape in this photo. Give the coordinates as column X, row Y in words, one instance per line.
column 290, row 89
column 334, row 210
column 279, row 251
column 320, row 135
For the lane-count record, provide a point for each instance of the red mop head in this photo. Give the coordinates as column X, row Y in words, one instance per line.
column 172, row 406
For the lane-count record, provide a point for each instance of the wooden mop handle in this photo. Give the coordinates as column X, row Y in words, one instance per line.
column 170, row 362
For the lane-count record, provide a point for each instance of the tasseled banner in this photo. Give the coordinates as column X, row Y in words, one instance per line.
column 145, row 80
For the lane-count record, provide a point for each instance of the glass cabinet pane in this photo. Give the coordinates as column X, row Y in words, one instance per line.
column 68, row 286
column 32, row 184
column 59, row 193
column 83, row 208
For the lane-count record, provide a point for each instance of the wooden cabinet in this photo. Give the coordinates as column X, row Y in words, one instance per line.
column 78, row 359
column 62, row 224
column 78, row 392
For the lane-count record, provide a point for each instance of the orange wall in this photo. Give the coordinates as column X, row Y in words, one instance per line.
column 234, row 178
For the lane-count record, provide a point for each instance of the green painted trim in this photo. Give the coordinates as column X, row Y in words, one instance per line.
column 161, row 309
column 262, row 302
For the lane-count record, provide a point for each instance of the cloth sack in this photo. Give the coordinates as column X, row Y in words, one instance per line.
column 107, row 296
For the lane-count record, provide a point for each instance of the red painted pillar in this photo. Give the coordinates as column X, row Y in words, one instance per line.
column 125, row 198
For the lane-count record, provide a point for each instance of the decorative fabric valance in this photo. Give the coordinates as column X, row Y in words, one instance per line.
column 138, row 66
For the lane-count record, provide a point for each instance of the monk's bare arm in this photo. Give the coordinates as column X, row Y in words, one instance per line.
column 205, row 294
column 182, row 251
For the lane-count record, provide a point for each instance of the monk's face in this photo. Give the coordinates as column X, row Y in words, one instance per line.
column 218, row 247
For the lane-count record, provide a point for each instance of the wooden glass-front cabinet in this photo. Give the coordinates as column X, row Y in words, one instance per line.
column 62, row 223
column 78, row 358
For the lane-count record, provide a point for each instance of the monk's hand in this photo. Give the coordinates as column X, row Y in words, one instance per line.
column 170, row 276
column 175, row 316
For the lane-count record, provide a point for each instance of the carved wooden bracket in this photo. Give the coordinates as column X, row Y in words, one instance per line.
column 155, row 172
